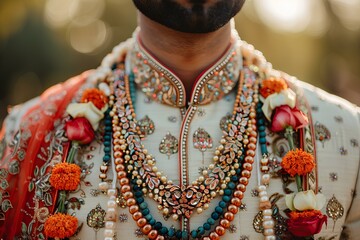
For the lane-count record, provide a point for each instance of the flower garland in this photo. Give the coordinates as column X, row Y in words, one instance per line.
column 279, row 102
column 66, row 176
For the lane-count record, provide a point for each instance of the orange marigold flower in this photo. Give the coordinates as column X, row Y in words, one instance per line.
column 65, row 176
column 272, row 85
column 304, row 214
column 298, row 162
column 96, row 96
column 60, row 225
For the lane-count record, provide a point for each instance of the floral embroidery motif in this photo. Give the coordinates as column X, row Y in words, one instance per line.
column 333, row 176
column 224, row 122
column 354, row 143
column 169, row 145
column 96, row 218
column 123, row 217
column 232, row 228
column 4, row 201
column 146, row 125
column 334, row 210
column 201, row 112
column 322, row 133
column 343, row 151
column 172, row 119
column 202, row 141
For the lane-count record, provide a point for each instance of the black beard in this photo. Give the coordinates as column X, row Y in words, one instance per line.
column 198, row 19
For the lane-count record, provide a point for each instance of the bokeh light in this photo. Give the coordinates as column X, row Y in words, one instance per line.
column 89, row 37
column 285, row 15
column 348, row 13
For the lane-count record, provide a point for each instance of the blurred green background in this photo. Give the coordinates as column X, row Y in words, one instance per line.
column 43, row 42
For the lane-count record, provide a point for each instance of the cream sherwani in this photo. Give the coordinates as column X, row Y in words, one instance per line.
column 336, row 125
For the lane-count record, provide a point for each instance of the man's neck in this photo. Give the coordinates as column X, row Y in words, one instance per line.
column 186, row 54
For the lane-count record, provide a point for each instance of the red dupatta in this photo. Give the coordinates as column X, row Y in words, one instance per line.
column 28, row 159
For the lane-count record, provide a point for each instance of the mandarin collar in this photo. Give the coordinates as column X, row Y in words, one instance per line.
column 162, row 85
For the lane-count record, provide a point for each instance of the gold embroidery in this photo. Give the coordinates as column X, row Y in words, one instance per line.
column 334, row 210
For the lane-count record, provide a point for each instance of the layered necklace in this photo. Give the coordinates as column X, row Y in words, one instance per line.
column 227, row 176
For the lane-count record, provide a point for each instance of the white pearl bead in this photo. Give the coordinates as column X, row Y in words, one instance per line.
column 108, row 233
column 199, row 210
column 268, row 224
column 261, row 188
column 262, row 193
column 175, row 216
column 267, row 212
column 108, row 238
column 268, row 232
column 267, row 218
column 109, row 225
column 111, row 192
column 264, row 199
column 111, row 204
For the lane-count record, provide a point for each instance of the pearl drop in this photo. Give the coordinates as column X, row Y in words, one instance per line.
column 265, row 178
column 211, row 166
column 223, row 186
column 108, row 233
column 163, row 179
column 267, row 212
column 103, row 186
column 109, row 225
column 199, row 210
column 139, row 182
column 221, row 192
column 154, row 169
column 205, row 172
column 213, row 194
column 108, row 238
column 175, row 216
column 206, row 206
column 201, row 179
column 268, row 232
column 268, row 224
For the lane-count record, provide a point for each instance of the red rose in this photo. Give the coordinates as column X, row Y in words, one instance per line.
column 80, row 130
column 306, row 226
column 285, row 116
